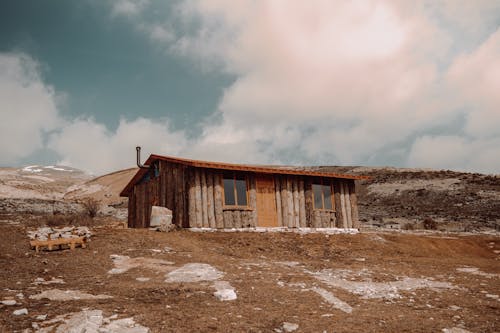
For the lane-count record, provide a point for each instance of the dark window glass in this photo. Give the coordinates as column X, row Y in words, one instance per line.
column 229, row 198
column 318, row 200
column 327, row 195
column 241, row 192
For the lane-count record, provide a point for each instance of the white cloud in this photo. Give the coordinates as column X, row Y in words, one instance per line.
column 456, row 153
column 475, row 81
column 128, row 7
column 342, row 82
column 88, row 145
column 28, row 107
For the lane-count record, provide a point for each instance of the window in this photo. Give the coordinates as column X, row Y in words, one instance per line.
column 323, row 195
column 235, row 190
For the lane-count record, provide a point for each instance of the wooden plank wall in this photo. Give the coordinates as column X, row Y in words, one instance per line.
column 172, row 191
column 346, row 205
column 206, row 206
column 291, row 201
column 195, row 196
column 294, row 199
column 166, row 190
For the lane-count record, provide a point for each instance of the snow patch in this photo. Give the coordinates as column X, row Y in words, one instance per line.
column 125, row 263
column 51, row 281
column 369, row 289
column 330, row 298
column 455, row 330
column 91, row 321
column 67, row 295
column 32, row 168
column 476, row 271
column 194, row 272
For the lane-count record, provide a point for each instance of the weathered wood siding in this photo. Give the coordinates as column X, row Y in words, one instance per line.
column 166, row 189
column 195, row 196
column 206, row 206
column 294, row 198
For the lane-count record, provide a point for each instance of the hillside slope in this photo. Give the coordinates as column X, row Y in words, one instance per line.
column 393, row 197
column 397, row 196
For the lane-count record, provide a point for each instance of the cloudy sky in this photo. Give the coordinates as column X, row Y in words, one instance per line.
column 401, row 83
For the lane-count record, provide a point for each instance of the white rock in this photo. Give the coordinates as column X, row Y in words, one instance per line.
column 225, row 295
column 290, row 327
column 9, row 302
column 142, row 279
column 19, row 312
column 455, row 330
column 41, row 317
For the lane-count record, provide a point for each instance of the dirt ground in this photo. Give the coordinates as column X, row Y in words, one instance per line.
column 367, row 282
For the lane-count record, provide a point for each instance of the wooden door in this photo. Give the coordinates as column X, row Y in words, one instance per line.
column 266, row 201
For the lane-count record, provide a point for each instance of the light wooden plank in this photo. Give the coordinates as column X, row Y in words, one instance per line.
column 277, row 188
column 219, row 214
column 210, row 199
column 302, row 205
column 342, row 204
column 296, row 203
column 198, row 203
column 204, row 198
column 289, row 197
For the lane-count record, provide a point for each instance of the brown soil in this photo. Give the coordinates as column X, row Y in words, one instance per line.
column 253, row 264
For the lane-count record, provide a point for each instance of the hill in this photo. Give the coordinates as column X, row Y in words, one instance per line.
column 392, row 198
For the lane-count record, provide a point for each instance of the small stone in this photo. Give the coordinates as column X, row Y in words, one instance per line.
column 9, row 302
column 225, row 295
column 41, row 317
column 290, row 327
column 19, row 312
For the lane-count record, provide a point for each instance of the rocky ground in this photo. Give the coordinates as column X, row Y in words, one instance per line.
column 391, row 277
column 395, row 198
column 131, row 280
column 61, row 190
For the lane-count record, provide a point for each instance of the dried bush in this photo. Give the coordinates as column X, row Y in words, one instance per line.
column 91, row 207
column 61, row 220
column 430, row 224
column 408, row 226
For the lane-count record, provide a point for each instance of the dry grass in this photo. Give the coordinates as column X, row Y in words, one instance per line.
column 91, row 207
column 60, row 220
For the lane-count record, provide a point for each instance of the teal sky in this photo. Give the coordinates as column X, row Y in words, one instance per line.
column 105, row 66
column 387, row 82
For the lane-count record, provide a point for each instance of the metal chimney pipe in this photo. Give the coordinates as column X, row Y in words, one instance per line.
column 138, row 149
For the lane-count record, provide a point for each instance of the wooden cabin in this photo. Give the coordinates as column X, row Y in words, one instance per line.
column 205, row 194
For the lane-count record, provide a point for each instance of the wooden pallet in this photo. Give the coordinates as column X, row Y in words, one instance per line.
column 51, row 244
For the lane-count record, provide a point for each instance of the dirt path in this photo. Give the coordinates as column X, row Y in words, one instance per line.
column 307, row 283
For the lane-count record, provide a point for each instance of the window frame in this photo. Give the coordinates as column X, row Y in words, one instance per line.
column 234, row 176
column 323, row 183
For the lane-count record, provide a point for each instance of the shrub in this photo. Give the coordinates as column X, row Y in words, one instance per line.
column 430, row 224
column 91, row 207
column 408, row 226
column 61, row 220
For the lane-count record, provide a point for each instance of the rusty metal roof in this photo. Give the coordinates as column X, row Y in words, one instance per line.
column 281, row 170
